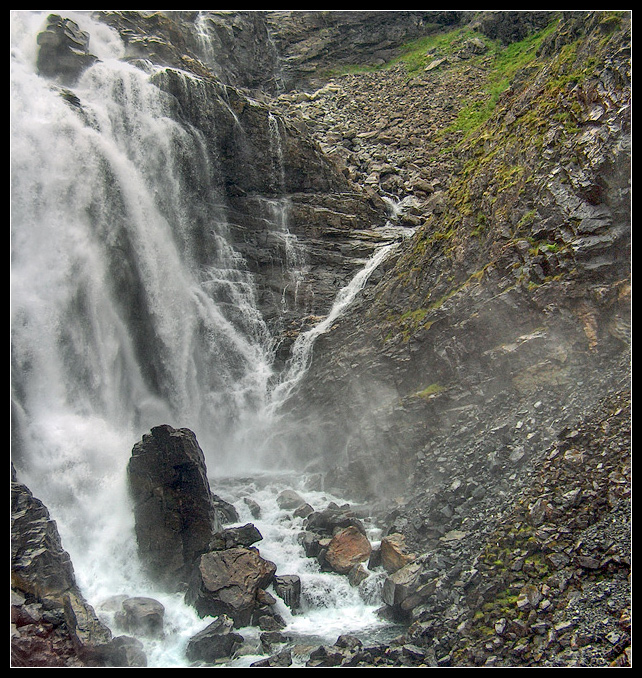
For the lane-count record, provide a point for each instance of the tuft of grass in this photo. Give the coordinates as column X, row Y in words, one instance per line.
column 433, row 389
column 416, row 55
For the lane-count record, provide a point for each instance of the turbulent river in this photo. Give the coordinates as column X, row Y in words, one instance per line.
column 117, row 326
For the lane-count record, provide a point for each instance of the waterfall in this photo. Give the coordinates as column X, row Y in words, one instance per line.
column 118, row 322
column 304, row 344
column 110, row 302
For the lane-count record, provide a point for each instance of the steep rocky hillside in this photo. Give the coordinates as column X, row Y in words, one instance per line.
column 518, row 275
column 500, row 326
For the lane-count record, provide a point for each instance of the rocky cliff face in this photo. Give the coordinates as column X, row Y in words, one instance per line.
column 516, row 284
column 52, row 624
column 503, row 323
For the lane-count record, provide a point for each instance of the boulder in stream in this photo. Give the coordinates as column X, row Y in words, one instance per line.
column 176, row 515
column 142, row 616
column 289, row 499
column 288, row 588
column 214, row 642
column 230, row 582
column 347, row 548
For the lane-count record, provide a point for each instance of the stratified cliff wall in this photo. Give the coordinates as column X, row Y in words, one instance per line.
column 515, row 288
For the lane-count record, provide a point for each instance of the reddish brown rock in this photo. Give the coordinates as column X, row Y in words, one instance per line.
column 394, row 555
column 347, row 548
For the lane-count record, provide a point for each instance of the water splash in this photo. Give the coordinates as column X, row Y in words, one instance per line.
column 115, row 326
column 330, row 606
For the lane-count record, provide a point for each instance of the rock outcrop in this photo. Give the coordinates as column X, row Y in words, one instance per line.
column 175, row 514
column 52, row 625
column 311, row 44
column 232, row 582
column 63, row 50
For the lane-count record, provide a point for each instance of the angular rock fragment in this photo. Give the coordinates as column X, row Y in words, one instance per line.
column 229, row 582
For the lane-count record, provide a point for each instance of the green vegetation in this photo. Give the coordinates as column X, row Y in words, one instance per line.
column 538, row 246
column 501, row 62
column 409, row 322
column 418, row 54
column 431, row 390
column 415, row 316
column 507, row 62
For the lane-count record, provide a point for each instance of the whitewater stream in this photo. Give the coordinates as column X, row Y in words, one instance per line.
column 118, row 326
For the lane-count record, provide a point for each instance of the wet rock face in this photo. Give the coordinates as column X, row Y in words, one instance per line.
column 64, row 50
column 233, row 46
column 174, row 509
column 52, row 624
column 311, row 42
column 504, row 297
column 214, row 642
column 302, row 227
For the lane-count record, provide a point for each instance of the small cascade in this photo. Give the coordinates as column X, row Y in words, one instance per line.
column 330, row 606
column 304, row 344
column 203, row 38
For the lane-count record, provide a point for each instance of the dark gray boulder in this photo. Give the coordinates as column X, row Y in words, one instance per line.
column 64, row 50
column 175, row 514
column 214, row 642
column 142, row 616
column 231, row 582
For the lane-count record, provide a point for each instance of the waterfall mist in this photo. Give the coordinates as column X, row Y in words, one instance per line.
column 117, row 315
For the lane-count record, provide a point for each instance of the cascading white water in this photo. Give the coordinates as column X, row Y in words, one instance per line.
column 330, row 605
column 116, row 325
column 304, row 344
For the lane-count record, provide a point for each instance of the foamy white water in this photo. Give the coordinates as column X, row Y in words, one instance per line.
column 330, row 606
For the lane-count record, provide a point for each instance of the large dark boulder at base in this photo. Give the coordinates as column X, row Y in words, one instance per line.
column 175, row 514
column 231, row 582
